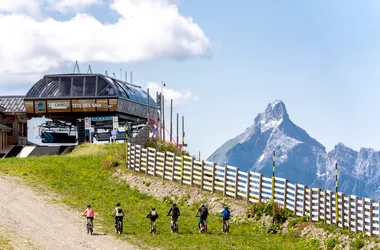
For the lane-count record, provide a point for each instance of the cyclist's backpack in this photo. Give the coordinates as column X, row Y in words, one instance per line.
column 175, row 212
column 204, row 212
column 119, row 210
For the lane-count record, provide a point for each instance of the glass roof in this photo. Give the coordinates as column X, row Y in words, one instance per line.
column 87, row 86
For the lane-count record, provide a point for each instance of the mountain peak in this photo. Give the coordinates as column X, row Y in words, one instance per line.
column 276, row 111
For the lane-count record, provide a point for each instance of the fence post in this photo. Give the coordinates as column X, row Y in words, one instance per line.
column 213, row 178
column 330, row 207
column 324, row 206
column 147, row 161
column 155, row 163
column 126, row 154
column 343, row 195
column 304, row 201
column 311, row 203
column 164, row 166
column 356, row 214
column 225, row 182
column 173, row 167
column 349, row 213
column 140, row 154
column 182, row 168
column 135, row 156
column 248, row 186
column 260, row 186
column 295, row 198
column 202, row 173
column 236, row 183
column 130, row 155
column 285, row 192
column 370, row 218
column 319, row 205
column 192, row 172
column 363, row 213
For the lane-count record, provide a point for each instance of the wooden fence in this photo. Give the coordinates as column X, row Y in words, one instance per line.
column 354, row 214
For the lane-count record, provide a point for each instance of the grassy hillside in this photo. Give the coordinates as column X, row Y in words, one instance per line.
column 85, row 176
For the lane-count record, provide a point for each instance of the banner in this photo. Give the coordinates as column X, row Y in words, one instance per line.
column 47, row 132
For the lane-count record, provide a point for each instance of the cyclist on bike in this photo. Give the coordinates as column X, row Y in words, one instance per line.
column 175, row 213
column 153, row 215
column 89, row 213
column 119, row 214
column 203, row 215
column 225, row 215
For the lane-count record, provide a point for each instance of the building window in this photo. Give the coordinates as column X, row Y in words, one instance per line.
column 20, row 128
column 9, row 125
column 25, row 129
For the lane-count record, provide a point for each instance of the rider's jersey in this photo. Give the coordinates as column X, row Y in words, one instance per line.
column 89, row 212
column 226, row 214
column 119, row 212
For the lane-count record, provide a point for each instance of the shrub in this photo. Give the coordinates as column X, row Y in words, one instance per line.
column 296, row 221
column 273, row 209
column 331, row 243
column 167, row 200
column 357, row 244
column 146, row 183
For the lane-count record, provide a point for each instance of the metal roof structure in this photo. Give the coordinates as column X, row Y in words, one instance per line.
column 13, row 104
column 5, row 128
column 88, row 86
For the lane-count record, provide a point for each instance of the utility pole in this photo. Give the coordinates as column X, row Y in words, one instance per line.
column 158, row 106
column 273, row 179
column 177, row 141
column 183, row 134
column 336, row 195
column 163, row 117
column 171, row 120
column 147, row 110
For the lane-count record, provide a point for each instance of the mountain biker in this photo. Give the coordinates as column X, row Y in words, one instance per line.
column 119, row 214
column 225, row 215
column 203, row 215
column 89, row 213
column 153, row 215
column 175, row 213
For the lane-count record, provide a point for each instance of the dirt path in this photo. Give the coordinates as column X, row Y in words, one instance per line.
column 46, row 225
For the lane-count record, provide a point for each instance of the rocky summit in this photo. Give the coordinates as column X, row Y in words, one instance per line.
column 299, row 157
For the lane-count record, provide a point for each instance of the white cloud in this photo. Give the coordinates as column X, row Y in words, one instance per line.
column 146, row 30
column 65, row 6
column 179, row 96
column 20, row 6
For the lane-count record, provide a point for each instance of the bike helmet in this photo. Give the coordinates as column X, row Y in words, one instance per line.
column 226, row 207
column 118, row 204
column 153, row 208
column 174, row 204
column 202, row 205
column 88, row 205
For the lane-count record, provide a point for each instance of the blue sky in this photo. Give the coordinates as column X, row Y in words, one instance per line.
column 321, row 58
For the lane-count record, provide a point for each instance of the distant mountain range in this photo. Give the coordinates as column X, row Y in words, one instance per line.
column 300, row 158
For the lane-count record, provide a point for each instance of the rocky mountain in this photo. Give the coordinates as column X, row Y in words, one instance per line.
column 300, row 158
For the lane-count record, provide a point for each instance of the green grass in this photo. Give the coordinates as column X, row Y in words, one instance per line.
column 5, row 243
column 81, row 178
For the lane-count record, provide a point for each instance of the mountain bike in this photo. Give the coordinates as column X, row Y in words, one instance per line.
column 153, row 227
column 202, row 227
column 89, row 226
column 226, row 227
column 174, row 225
column 118, row 226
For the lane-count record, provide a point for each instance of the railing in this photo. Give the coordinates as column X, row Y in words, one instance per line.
column 354, row 214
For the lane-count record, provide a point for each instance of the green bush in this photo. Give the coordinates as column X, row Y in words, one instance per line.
column 357, row 244
column 273, row 209
column 331, row 243
column 294, row 222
